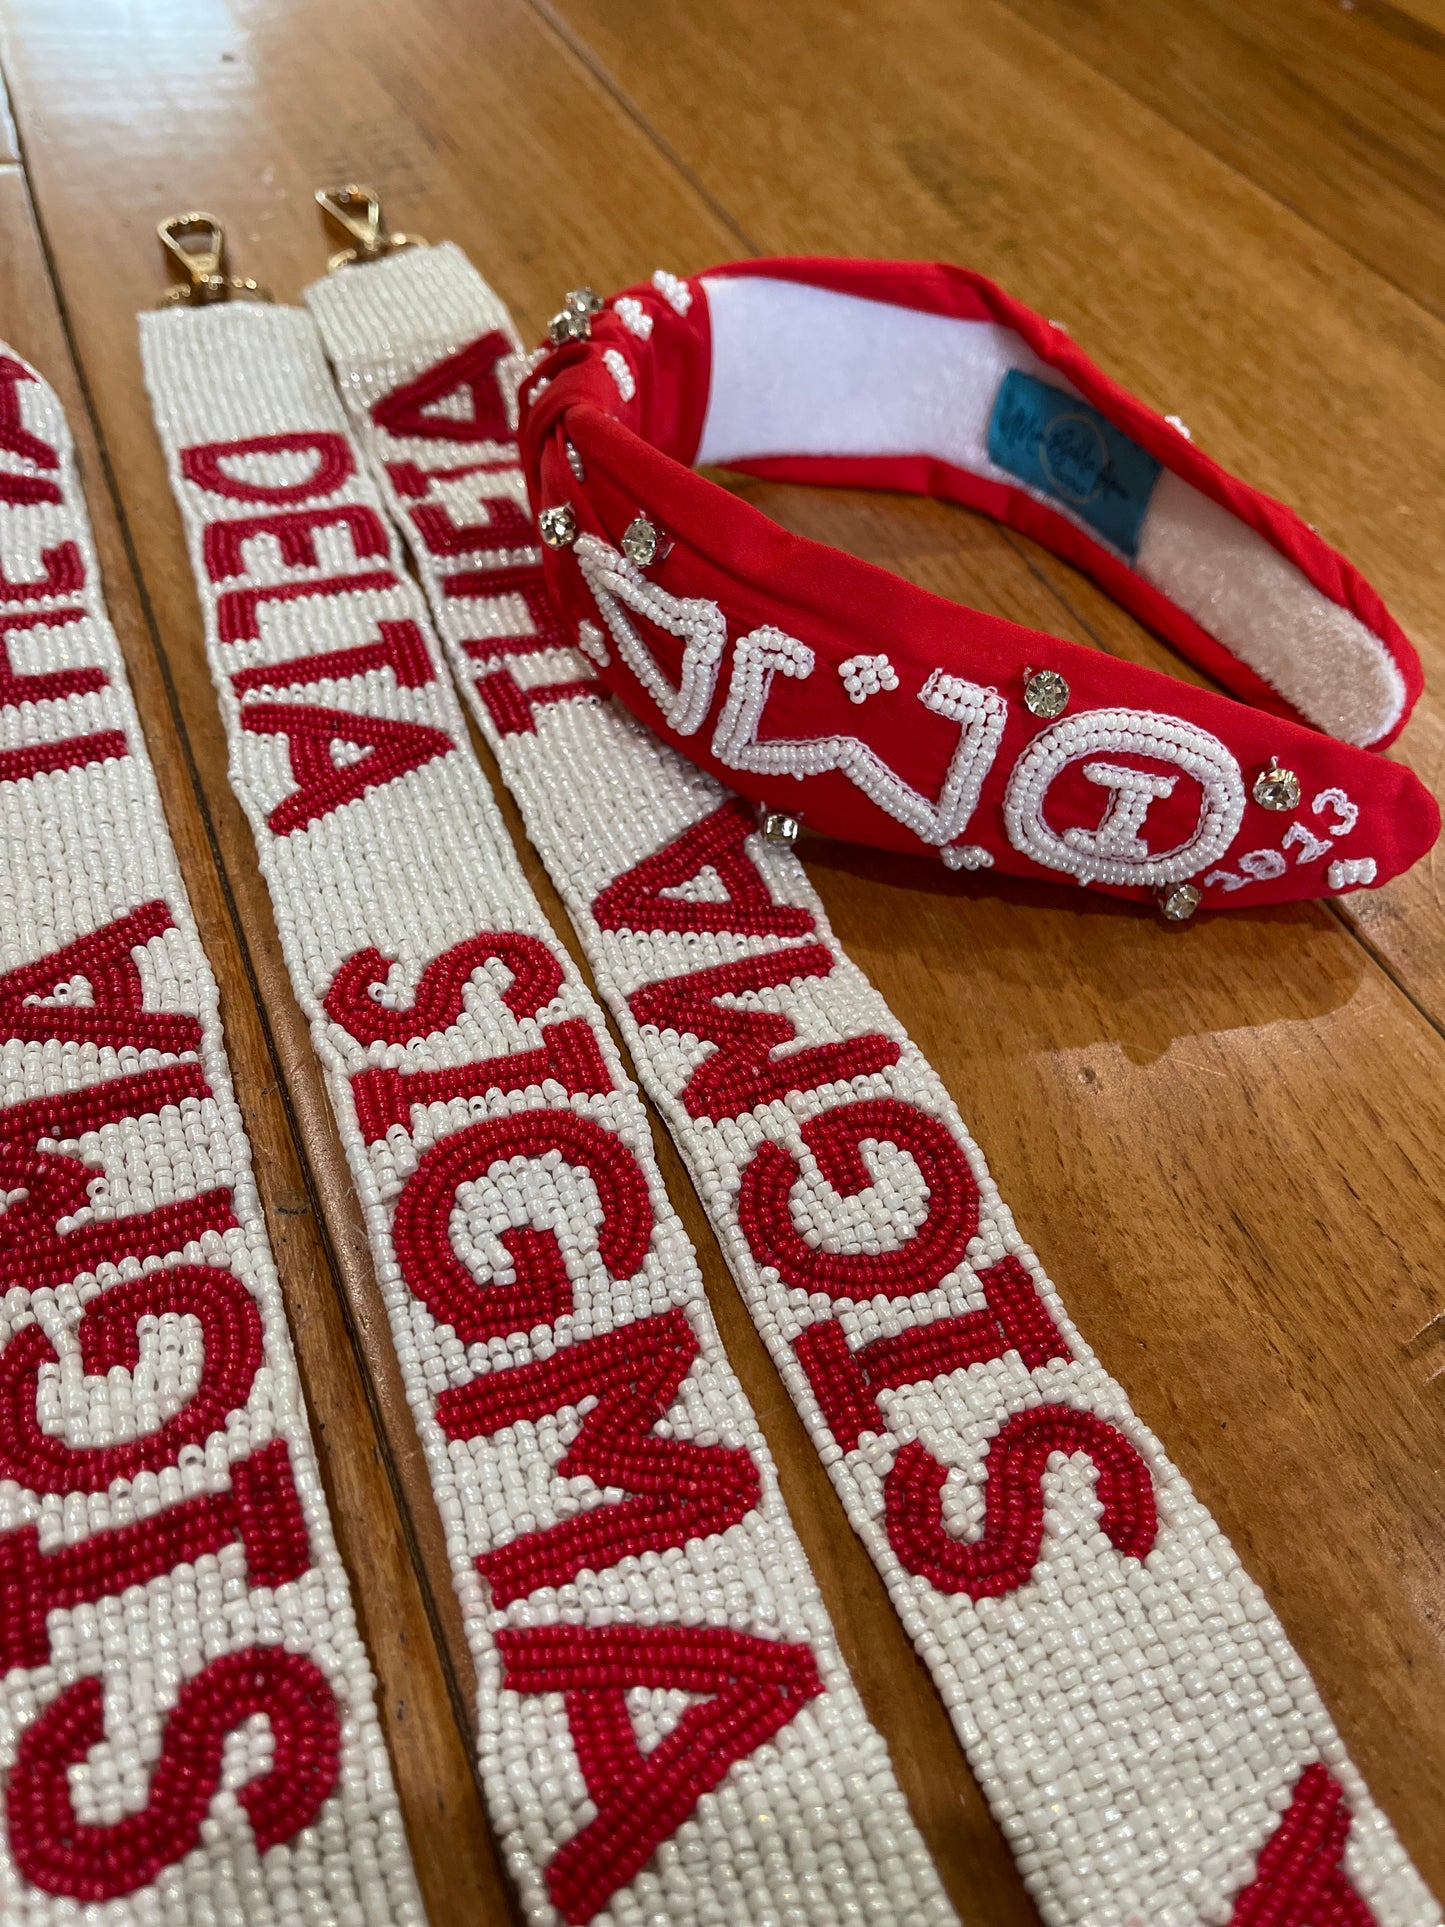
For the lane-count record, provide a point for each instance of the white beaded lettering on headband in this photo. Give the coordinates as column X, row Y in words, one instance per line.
column 931, row 379
column 666, row 1729
column 1151, row 1744
column 188, row 1728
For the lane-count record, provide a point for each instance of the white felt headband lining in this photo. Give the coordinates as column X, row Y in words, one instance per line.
column 800, row 370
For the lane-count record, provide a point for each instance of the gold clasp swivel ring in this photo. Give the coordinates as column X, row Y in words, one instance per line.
column 356, row 211
column 197, row 242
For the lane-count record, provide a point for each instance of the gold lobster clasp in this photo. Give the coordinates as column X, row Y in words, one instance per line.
column 356, row 211
column 197, row 243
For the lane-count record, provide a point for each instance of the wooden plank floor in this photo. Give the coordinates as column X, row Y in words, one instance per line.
column 1225, row 1140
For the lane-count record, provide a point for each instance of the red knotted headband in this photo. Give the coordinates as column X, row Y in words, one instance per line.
column 827, row 689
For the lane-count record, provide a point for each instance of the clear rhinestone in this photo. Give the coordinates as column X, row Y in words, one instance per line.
column 1180, row 903
column 567, row 325
column 583, row 301
column 778, row 827
column 1046, row 694
column 639, row 543
column 558, row 526
column 1276, row 788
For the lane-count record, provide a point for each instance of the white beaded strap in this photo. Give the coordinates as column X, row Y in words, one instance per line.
column 187, row 1724
column 667, row 1731
column 1152, row 1746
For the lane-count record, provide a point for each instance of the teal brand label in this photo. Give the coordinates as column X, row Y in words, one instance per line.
column 1070, row 452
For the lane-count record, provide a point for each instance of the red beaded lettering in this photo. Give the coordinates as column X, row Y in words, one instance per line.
column 18, row 440
column 503, row 525
column 414, row 409
column 513, row 709
column 62, row 1854
column 568, row 1054
column 743, row 1071
column 845, row 1382
column 544, row 631
column 836, row 1139
column 639, row 899
column 261, row 1510
column 1299, row 1878
column 543, row 1291
column 334, row 464
column 238, row 610
column 394, row 747
column 64, row 574
column 294, row 532
column 25, row 490
column 1002, row 1559
column 70, row 752
column 115, row 1015
column 231, row 1329
column 269, row 1521
column 414, row 482
column 401, row 649
column 682, row 1490
column 755, row 1685
column 49, row 685
column 35, row 1252
column 438, row 1000
column 67, row 1115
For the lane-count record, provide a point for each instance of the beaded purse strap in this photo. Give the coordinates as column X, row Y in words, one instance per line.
column 187, row 1721
column 1150, row 1743
column 666, row 1729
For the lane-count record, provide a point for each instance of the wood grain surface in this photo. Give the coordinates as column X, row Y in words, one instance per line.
column 1223, row 1140
column 1339, row 112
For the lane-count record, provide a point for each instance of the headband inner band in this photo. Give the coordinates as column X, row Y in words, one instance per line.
column 800, row 371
